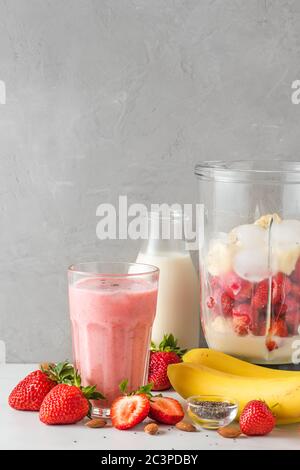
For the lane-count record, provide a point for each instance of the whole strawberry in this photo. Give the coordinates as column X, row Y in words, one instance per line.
column 168, row 352
column 257, row 419
column 29, row 394
column 67, row 403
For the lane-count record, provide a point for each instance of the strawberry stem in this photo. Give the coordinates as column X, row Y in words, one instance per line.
column 91, row 393
column 123, row 386
column 144, row 389
column 60, row 372
column 64, row 372
column 168, row 344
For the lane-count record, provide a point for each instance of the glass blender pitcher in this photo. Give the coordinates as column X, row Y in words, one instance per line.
column 250, row 259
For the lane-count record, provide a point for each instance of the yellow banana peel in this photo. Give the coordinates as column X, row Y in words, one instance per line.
column 225, row 363
column 282, row 394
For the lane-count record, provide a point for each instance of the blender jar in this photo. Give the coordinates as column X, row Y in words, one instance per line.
column 250, row 258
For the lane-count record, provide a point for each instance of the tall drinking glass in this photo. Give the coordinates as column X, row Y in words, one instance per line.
column 112, row 309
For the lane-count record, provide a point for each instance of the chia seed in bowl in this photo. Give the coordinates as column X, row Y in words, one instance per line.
column 212, row 411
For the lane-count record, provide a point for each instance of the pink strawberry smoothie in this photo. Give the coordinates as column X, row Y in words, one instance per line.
column 111, row 329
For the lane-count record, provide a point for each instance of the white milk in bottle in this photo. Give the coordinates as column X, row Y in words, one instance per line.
column 178, row 294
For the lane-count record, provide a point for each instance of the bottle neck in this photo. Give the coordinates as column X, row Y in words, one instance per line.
column 165, row 235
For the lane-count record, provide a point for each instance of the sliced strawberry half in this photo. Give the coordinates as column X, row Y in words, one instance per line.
column 279, row 328
column 258, row 324
column 242, row 319
column 281, row 287
column 292, row 316
column 260, row 328
column 261, row 295
column 295, row 291
column 295, row 276
column 237, row 288
column 227, row 304
column 130, row 410
column 166, row 410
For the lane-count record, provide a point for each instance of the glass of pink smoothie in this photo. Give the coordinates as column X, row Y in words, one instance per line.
column 112, row 309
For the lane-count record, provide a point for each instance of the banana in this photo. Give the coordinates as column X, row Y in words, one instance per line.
column 225, row 363
column 282, row 394
column 266, row 220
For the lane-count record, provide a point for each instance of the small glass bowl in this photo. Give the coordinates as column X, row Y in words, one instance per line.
column 212, row 411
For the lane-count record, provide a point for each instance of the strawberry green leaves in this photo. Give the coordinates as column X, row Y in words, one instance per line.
column 143, row 390
column 168, row 344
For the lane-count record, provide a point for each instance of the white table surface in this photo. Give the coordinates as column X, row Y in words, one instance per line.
column 23, row 430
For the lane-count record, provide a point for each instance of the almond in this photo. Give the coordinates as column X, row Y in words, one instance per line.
column 151, row 428
column 186, row 427
column 96, row 423
column 232, row 431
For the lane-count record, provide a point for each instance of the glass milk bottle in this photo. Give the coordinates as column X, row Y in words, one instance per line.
column 178, row 293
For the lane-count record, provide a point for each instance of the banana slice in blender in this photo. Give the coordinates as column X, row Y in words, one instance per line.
column 265, row 220
column 219, row 258
column 284, row 259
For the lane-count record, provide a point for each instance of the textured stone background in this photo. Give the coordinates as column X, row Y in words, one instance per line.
column 109, row 97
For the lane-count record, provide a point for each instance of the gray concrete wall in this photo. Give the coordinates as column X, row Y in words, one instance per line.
column 109, row 97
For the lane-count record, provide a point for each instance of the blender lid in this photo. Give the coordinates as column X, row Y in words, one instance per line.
column 249, row 171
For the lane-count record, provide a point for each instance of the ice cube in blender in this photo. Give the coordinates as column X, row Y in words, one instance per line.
column 252, row 264
column 248, row 235
column 286, row 233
